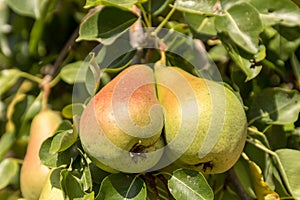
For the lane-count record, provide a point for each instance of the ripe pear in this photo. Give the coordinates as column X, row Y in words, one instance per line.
column 205, row 123
column 120, row 128
column 33, row 172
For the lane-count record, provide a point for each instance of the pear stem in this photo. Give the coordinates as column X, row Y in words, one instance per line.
column 162, row 62
column 46, row 87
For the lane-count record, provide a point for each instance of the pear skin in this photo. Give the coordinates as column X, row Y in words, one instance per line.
column 205, row 123
column 122, row 121
column 33, row 172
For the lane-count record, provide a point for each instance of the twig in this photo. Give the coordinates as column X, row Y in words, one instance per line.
column 64, row 52
column 151, row 180
column 165, row 182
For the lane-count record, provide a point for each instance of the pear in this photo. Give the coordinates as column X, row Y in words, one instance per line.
column 33, row 172
column 120, row 128
column 205, row 123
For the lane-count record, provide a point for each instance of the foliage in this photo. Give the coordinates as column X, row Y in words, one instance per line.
column 254, row 44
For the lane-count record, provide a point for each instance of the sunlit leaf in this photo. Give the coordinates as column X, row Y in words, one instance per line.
column 123, row 4
column 6, row 142
column 8, row 78
column 73, row 109
column 273, row 12
column 122, row 186
column 205, row 7
column 289, row 158
column 188, row 184
column 243, row 25
column 8, row 171
column 28, row 7
column 69, row 72
column 275, row 106
column 97, row 27
column 63, row 140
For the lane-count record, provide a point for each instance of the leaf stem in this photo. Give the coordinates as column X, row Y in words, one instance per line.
column 144, row 13
column 277, row 160
column 31, row 77
column 163, row 23
column 149, row 11
column 54, row 81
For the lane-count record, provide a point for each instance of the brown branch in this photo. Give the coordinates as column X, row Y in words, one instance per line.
column 165, row 182
column 64, row 52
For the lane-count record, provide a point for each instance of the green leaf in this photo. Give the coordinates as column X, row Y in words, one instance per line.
column 275, row 106
column 296, row 69
column 72, row 186
column 291, row 168
column 27, row 7
column 87, row 178
column 202, row 25
column 283, row 43
column 189, row 184
column 204, row 7
column 39, row 25
column 69, row 72
column 9, row 169
column 8, row 78
column 157, row 6
column 123, row 4
column 122, row 186
column 64, row 137
column 6, row 142
column 63, row 140
column 56, row 159
column 73, row 109
column 242, row 58
column 243, row 25
column 274, row 12
column 97, row 27
column 24, row 111
column 218, row 53
column 242, row 171
column 5, row 28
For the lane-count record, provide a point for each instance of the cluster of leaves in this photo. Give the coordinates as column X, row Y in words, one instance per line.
column 255, row 45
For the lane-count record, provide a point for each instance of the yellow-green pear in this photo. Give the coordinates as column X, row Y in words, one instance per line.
column 120, row 128
column 33, row 172
column 205, row 123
